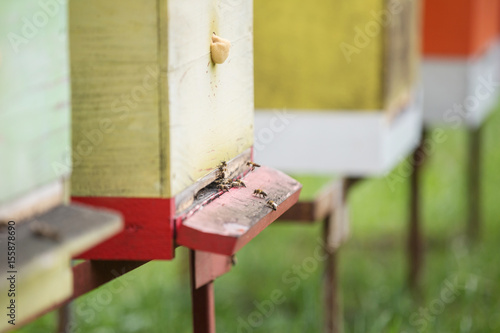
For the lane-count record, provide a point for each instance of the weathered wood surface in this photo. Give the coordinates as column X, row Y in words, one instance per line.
column 44, row 247
column 36, row 202
column 229, row 222
column 34, row 97
column 152, row 113
column 327, row 55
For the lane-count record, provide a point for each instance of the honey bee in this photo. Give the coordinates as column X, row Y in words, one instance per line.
column 224, row 181
column 44, row 230
column 238, row 183
column 222, row 167
column 272, row 204
column 223, row 187
column 253, row 165
column 260, row 193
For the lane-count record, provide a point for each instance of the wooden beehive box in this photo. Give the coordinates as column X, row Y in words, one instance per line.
column 34, row 109
column 153, row 115
column 460, row 60
column 38, row 233
column 346, row 72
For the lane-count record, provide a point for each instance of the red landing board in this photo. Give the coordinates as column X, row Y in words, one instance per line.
column 222, row 226
column 226, row 224
column 148, row 233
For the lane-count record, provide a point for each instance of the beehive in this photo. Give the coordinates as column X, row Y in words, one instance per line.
column 460, row 60
column 344, row 69
column 38, row 233
column 34, row 107
column 152, row 113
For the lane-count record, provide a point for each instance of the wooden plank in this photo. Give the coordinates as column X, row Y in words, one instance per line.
column 203, row 300
column 229, row 222
column 34, row 98
column 322, row 205
column 116, row 133
column 44, row 246
column 36, row 202
column 160, row 114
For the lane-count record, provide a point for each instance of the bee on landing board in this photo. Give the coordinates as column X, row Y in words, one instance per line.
column 224, row 181
column 238, row 183
column 272, row 204
column 259, row 193
column 253, row 165
column 223, row 187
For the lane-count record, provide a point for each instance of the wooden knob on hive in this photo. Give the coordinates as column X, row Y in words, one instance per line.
column 219, row 48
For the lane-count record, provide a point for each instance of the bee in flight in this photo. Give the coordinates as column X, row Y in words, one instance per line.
column 253, row 165
column 260, row 193
column 272, row 204
column 238, row 183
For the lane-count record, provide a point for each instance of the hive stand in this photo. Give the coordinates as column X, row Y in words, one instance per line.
column 222, row 227
column 330, row 207
column 337, row 92
column 214, row 226
column 460, row 52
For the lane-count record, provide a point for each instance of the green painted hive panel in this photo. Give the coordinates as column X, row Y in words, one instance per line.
column 152, row 113
column 34, row 96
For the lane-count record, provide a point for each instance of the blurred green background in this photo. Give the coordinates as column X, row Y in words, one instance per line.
column 461, row 286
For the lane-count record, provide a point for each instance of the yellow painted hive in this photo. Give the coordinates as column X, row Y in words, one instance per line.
column 152, row 113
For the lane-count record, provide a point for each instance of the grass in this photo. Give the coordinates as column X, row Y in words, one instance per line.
column 460, row 284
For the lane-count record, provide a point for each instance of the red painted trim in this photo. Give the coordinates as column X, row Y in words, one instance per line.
column 148, row 232
column 459, row 27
